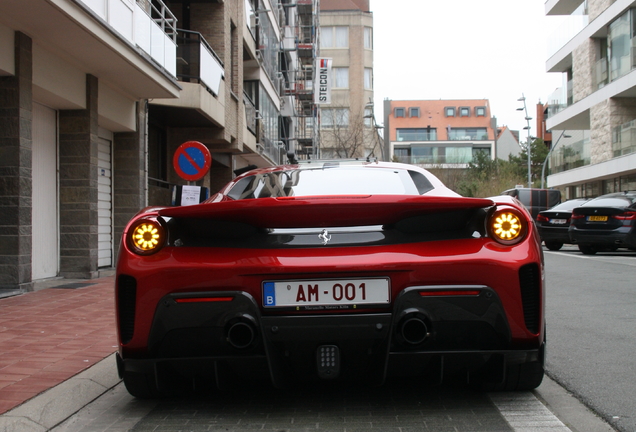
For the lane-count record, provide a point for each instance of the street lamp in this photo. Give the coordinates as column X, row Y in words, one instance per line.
column 563, row 135
column 528, row 147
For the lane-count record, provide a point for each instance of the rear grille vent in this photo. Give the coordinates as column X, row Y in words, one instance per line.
column 126, row 299
column 530, row 283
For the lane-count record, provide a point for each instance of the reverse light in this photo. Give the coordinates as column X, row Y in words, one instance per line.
column 146, row 237
column 507, row 226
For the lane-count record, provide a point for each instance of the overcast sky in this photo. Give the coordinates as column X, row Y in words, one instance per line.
column 464, row 49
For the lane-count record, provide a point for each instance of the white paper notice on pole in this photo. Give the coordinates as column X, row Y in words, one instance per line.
column 190, row 195
column 324, row 77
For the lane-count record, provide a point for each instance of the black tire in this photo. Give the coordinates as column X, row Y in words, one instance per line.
column 587, row 249
column 553, row 246
column 141, row 385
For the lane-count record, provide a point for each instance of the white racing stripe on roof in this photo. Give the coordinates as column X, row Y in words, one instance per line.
column 525, row 413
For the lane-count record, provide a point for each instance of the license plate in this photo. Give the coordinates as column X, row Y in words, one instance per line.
column 558, row 221
column 597, row 218
column 326, row 293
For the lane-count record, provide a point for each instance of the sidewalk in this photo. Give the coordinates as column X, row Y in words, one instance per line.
column 52, row 334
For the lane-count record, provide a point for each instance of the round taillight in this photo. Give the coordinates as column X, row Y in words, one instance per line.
column 507, row 226
column 146, row 236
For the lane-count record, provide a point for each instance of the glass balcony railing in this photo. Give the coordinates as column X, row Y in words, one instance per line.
column 624, row 139
column 560, row 99
column 570, row 156
column 197, row 62
column 567, row 29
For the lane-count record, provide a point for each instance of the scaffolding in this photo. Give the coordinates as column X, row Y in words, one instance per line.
column 300, row 46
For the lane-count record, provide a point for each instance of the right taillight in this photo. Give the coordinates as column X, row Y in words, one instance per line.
column 629, row 215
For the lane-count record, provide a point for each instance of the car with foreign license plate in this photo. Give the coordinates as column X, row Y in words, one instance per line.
column 342, row 271
column 554, row 224
column 605, row 223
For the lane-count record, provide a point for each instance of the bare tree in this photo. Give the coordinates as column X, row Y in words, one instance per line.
column 347, row 135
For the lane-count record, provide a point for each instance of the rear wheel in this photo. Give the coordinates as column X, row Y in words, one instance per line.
column 587, row 249
column 553, row 246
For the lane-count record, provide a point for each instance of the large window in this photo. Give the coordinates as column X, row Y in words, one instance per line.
column 334, row 117
column 368, row 78
column 270, row 43
column 620, row 43
column 468, row 134
column 341, row 77
column 270, row 115
column 423, row 134
column 368, row 38
column 334, row 37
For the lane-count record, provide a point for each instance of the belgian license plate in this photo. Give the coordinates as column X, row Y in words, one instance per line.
column 597, row 218
column 326, row 293
column 558, row 221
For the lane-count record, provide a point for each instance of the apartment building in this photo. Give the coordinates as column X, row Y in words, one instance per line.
column 96, row 96
column 438, row 133
column 347, row 124
column 592, row 117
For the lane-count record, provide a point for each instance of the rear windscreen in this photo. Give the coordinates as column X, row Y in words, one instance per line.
column 331, row 181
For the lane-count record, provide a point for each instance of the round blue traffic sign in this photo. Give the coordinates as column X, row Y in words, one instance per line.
column 192, row 160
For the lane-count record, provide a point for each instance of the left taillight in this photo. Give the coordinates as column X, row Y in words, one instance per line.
column 507, row 226
column 146, row 236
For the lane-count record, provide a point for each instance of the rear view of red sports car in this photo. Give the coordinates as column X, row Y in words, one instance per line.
column 331, row 271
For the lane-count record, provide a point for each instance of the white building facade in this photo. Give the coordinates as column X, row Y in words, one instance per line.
column 596, row 107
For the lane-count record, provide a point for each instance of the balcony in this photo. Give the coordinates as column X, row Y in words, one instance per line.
column 197, row 62
column 152, row 28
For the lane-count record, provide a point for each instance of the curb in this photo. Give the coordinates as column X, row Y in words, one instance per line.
column 52, row 407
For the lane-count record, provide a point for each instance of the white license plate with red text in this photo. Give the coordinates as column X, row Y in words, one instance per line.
column 326, row 292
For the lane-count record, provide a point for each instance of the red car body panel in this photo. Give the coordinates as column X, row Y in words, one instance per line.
column 457, row 262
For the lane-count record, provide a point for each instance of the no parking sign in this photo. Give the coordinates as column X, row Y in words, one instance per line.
column 192, row 160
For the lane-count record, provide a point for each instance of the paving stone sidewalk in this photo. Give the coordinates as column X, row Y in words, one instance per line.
column 52, row 334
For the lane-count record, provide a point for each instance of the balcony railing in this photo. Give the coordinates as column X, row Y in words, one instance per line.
column 624, row 139
column 570, row 156
column 567, row 29
column 149, row 25
column 197, row 62
column 560, row 99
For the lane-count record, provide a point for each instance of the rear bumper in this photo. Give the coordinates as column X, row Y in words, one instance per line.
column 420, row 335
column 548, row 234
column 621, row 237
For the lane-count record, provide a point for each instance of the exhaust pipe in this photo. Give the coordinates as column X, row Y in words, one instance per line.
column 241, row 332
column 412, row 328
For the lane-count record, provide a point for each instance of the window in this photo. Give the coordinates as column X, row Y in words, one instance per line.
column 334, row 37
column 421, row 134
column 449, row 111
column 368, row 116
column 341, row 77
column 368, row 38
column 480, row 111
column 468, row 134
column 464, row 111
column 335, row 117
column 399, row 112
column 368, row 78
column 414, row 112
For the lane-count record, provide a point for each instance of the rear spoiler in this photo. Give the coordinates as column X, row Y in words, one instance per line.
column 325, row 211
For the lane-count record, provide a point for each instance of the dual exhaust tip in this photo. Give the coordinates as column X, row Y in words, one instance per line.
column 413, row 329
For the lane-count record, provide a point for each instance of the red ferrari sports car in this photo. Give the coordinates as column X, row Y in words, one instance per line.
column 331, row 270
